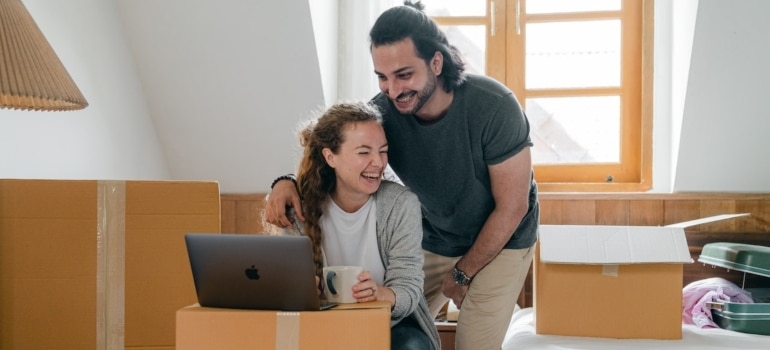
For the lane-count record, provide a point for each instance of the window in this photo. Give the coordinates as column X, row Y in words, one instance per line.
column 581, row 70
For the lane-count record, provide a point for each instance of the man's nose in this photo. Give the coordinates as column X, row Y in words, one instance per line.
column 393, row 88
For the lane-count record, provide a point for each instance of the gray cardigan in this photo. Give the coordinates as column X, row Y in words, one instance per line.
column 399, row 237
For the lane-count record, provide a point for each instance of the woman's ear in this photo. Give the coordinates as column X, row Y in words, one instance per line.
column 328, row 156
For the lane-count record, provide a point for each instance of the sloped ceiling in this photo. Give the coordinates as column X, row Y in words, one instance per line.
column 212, row 73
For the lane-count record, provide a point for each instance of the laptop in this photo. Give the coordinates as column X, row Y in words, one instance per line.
column 262, row 272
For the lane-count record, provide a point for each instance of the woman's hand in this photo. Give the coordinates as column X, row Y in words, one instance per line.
column 366, row 289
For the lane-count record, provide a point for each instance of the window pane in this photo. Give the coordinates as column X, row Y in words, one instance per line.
column 455, row 7
column 562, row 6
column 573, row 54
column 472, row 43
column 572, row 130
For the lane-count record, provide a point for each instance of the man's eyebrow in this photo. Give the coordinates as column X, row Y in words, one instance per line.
column 398, row 71
column 401, row 70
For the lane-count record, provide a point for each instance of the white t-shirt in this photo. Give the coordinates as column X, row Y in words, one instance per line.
column 351, row 238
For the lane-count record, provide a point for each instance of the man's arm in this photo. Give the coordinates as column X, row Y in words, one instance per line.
column 283, row 195
column 510, row 181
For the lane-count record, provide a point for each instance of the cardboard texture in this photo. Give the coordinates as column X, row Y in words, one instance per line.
column 611, row 281
column 349, row 326
column 97, row 264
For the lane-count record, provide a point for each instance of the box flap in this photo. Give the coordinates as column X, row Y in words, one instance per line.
column 592, row 244
column 707, row 220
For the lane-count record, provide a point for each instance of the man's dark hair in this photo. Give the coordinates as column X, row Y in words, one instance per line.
column 409, row 21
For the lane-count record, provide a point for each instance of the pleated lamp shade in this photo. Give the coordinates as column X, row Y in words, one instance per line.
column 31, row 75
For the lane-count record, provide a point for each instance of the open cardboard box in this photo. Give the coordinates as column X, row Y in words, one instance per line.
column 612, row 281
column 347, row 326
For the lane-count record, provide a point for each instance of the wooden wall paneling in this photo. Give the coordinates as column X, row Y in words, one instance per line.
column 242, row 213
column 550, row 211
column 611, row 212
column 227, row 214
column 759, row 221
column 249, row 216
column 675, row 211
column 578, row 212
column 646, row 213
column 711, row 207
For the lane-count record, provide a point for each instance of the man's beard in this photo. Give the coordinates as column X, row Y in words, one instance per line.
column 424, row 95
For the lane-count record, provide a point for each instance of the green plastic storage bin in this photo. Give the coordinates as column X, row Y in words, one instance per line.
column 751, row 318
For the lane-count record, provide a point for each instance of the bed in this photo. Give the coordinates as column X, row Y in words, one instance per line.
column 521, row 335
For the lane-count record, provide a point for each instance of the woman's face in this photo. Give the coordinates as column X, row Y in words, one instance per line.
column 361, row 159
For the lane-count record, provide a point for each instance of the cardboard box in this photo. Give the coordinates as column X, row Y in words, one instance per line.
column 97, row 264
column 348, row 326
column 611, row 281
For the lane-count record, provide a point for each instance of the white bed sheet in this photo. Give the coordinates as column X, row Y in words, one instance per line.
column 521, row 335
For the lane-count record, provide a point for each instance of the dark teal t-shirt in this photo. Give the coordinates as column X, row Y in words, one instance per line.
column 445, row 163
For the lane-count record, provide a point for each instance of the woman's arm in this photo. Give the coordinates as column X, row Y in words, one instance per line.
column 400, row 235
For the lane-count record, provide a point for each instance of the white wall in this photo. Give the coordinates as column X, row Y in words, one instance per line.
column 114, row 137
column 178, row 89
column 356, row 71
column 213, row 90
column 661, row 99
column 325, row 29
column 724, row 139
column 684, row 13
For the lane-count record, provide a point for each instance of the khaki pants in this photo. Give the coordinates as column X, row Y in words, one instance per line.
column 491, row 298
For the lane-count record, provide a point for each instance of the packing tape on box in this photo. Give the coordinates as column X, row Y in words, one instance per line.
column 610, row 270
column 287, row 331
column 110, row 265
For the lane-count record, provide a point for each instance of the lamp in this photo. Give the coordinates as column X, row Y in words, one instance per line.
column 31, row 75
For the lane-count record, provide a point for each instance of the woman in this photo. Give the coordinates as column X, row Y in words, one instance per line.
column 354, row 217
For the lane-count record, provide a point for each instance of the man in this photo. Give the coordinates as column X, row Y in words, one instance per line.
column 461, row 143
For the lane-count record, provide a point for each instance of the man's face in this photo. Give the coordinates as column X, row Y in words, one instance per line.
column 403, row 76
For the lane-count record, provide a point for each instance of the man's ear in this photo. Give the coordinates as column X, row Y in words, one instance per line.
column 437, row 63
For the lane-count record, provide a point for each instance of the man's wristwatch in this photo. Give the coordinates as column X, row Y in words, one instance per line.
column 460, row 277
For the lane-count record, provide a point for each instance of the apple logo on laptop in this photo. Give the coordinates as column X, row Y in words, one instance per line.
column 252, row 273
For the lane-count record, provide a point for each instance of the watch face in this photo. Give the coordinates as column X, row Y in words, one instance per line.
column 460, row 277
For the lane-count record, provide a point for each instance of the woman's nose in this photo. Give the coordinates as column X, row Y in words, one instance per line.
column 377, row 159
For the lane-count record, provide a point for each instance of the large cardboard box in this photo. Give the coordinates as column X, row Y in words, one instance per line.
column 611, row 281
column 97, row 264
column 348, row 326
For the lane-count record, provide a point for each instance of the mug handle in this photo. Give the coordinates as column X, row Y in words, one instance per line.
column 329, row 284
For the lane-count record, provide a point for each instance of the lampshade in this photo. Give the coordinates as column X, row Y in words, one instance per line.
column 31, row 75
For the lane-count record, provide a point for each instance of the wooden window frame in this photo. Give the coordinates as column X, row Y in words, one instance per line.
column 505, row 62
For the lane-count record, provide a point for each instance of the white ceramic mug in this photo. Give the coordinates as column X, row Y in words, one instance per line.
column 339, row 281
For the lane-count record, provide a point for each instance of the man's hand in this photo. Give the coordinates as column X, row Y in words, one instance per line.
column 453, row 290
column 283, row 196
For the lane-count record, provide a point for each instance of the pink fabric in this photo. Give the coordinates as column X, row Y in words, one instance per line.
column 696, row 294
